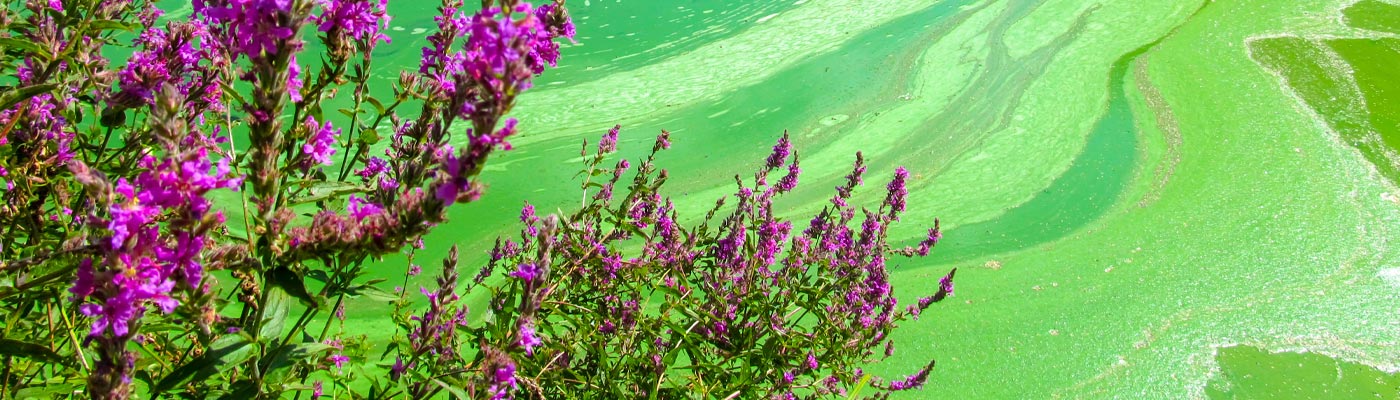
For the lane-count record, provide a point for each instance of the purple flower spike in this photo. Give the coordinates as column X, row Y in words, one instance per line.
column 294, row 82
column 528, row 339
column 321, row 145
column 945, row 284
column 360, row 19
column 789, row 181
column 780, row 152
column 934, row 235
column 608, row 143
column 894, row 199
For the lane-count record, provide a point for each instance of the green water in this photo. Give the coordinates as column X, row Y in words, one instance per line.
column 1228, row 237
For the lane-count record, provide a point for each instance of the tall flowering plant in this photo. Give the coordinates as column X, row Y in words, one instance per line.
column 623, row 298
column 127, row 182
column 191, row 219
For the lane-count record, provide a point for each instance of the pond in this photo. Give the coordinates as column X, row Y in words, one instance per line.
column 1144, row 200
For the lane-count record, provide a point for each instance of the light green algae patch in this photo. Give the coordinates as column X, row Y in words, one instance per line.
column 1269, row 233
column 1349, row 81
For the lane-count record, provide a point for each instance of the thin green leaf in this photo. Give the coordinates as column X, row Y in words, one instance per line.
column 456, row 392
column 111, row 25
column 27, row 45
column 378, row 107
column 9, row 99
column 47, row 391
column 289, row 355
column 224, row 353
column 15, row 348
column 373, row 293
column 322, row 190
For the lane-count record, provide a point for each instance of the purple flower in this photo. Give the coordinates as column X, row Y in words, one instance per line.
column 316, row 390
column 398, row 369
column 526, row 272
column 339, row 360
column 373, row 167
column 608, row 143
column 503, row 381
column 456, row 180
column 780, row 152
column 527, row 213
column 528, row 339
column 912, row 381
column 934, row 235
column 945, row 284
column 663, row 141
column 812, row 361
column 789, row 181
column 361, row 208
column 252, row 28
column 294, row 82
column 361, row 19
column 321, row 145
column 894, row 198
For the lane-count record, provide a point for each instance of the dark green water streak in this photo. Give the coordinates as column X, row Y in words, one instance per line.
column 1085, row 192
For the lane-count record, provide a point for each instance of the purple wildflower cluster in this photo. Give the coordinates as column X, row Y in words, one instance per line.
column 252, row 28
column 729, row 284
column 156, row 236
column 140, row 264
column 179, row 55
column 358, row 19
column 320, row 144
column 505, row 46
column 499, row 55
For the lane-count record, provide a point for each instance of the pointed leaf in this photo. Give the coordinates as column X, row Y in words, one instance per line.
column 293, row 284
column 27, row 45
column 224, row 353
column 10, row 347
column 9, row 99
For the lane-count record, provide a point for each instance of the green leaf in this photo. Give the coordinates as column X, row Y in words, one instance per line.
column 855, row 393
column 10, row 347
column 231, row 92
column 275, row 314
column 378, row 107
column 224, row 353
column 47, row 391
column 456, row 392
column 27, row 45
column 9, row 99
column 293, row 284
column 289, row 355
column 318, row 275
column 348, row 113
column 243, row 390
column 321, row 190
column 369, row 137
column 111, row 25
column 373, row 293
